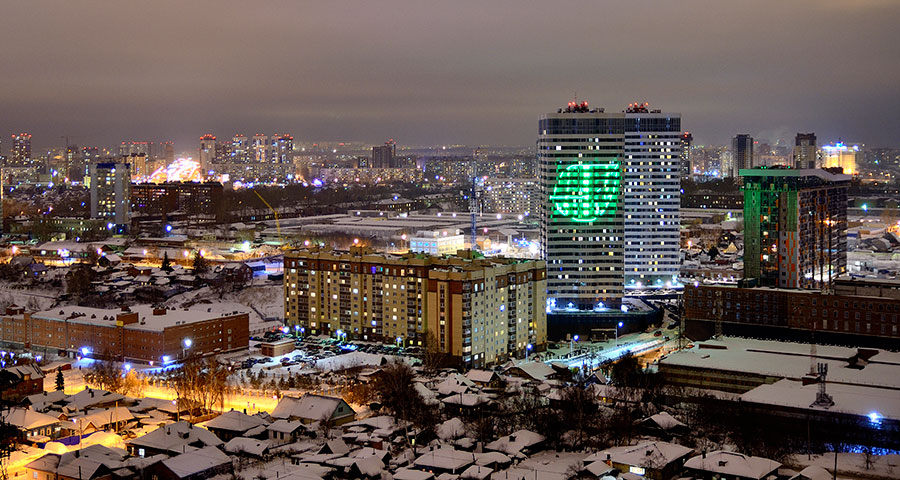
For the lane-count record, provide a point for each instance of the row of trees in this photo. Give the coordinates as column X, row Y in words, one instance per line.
column 200, row 384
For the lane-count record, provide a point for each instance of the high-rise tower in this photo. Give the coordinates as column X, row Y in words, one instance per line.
column 795, row 226
column 741, row 153
column 21, row 150
column 207, row 152
column 687, row 168
column 653, row 148
column 580, row 153
column 805, row 151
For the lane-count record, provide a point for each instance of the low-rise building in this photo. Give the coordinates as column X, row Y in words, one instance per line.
column 141, row 333
column 24, row 380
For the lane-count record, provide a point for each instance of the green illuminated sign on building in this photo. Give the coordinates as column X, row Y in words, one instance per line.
column 586, row 192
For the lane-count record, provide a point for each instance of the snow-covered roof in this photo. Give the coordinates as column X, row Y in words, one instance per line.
column 516, row 442
column 445, row 458
column 310, row 407
column 285, row 426
column 95, row 316
column 783, row 360
column 235, row 421
column 410, row 474
column 90, row 397
column 196, row 461
column 862, row 401
column 646, row 454
column 539, row 371
column 665, row 421
column 451, row 429
column 732, row 463
column 28, row 419
column 481, row 376
column 176, row 437
column 249, row 446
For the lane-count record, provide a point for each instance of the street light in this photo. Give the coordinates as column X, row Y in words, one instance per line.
column 572, row 344
column 399, row 341
column 528, row 350
column 185, row 344
column 618, row 326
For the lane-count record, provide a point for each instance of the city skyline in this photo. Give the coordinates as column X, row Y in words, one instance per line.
column 462, row 75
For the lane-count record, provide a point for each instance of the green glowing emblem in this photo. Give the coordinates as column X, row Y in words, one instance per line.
column 586, row 192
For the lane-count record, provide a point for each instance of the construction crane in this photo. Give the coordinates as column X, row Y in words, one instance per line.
column 274, row 212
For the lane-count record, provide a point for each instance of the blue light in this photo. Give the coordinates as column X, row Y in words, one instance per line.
column 575, row 338
column 875, row 418
column 865, row 207
column 166, row 359
column 168, row 228
column 85, row 351
column 127, row 367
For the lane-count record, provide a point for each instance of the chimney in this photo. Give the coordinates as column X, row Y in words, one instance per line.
column 159, row 311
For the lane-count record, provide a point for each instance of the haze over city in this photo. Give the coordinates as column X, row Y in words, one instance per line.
column 403, row 240
column 444, row 73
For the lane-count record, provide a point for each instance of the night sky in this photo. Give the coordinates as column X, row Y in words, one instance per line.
column 423, row 72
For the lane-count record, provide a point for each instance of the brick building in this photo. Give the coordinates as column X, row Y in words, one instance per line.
column 795, row 314
column 481, row 310
column 141, row 333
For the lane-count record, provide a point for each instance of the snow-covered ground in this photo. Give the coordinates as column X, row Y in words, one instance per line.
column 853, row 465
column 262, row 298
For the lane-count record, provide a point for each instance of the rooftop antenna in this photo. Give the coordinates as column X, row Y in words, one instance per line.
column 823, row 399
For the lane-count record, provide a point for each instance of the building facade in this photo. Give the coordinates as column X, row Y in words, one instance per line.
column 581, row 159
column 141, row 333
column 652, row 197
column 208, row 149
column 384, row 156
column 806, row 154
column 796, row 315
column 479, row 310
column 795, row 227
column 841, row 155
column 437, row 242
column 511, row 195
column 161, row 199
column 687, row 141
column 111, row 193
column 741, row 153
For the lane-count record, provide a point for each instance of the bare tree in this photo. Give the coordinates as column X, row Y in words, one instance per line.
column 200, row 384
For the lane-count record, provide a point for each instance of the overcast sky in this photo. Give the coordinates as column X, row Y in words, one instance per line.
column 428, row 72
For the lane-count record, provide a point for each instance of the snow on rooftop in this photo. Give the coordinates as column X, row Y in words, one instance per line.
column 731, row 463
column 107, row 317
column 879, row 403
column 785, row 360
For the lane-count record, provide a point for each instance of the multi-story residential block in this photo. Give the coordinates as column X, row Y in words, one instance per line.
column 795, row 226
column 191, row 198
column 478, row 310
column 511, row 195
column 111, row 193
